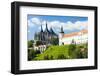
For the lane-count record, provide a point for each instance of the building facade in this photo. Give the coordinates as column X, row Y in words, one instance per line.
column 44, row 38
column 75, row 37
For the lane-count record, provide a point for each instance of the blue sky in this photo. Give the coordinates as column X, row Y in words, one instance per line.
column 69, row 23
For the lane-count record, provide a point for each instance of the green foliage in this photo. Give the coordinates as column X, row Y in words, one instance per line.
column 31, row 54
column 51, row 57
column 30, row 43
column 54, row 52
column 54, row 41
column 46, row 57
column 72, row 47
column 82, row 51
column 78, row 51
column 72, row 51
column 61, row 56
column 38, row 43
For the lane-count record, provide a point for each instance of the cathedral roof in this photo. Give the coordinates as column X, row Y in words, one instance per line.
column 41, row 29
column 52, row 32
column 46, row 29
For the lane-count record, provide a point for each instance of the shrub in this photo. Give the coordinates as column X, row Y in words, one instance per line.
column 61, row 56
column 72, row 50
column 72, row 47
column 51, row 57
column 38, row 43
column 46, row 57
column 30, row 43
column 31, row 54
column 37, row 52
column 82, row 51
column 54, row 41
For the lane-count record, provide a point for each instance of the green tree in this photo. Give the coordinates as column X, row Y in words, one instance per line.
column 38, row 43
column 72, row 50
column 82, row 51
column 54, row 41
column 30, row 43
column 31, row 54
column 72, row 47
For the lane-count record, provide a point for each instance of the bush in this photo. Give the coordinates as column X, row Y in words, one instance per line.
column 72, row 50
column 72, row 47
column 46, row 57
column 82, row 51
column 61, row 56
column 54, row 41
column 30, row 43
column 31, row 54
column 51, row 57
column 37, row 52
column 38, row 43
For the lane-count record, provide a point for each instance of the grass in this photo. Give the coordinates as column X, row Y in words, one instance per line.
column 53, row 52
column 63, row 52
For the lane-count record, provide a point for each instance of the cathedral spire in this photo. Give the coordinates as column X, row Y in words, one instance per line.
column 51, row 30
column 62, row 30
column 46, row 27
column 41, row 29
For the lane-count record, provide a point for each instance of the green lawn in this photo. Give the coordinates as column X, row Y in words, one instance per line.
column 64, row 52
column 54, row 52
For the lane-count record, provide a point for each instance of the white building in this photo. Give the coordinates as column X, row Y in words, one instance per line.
column 41, row 48
column 76, row 37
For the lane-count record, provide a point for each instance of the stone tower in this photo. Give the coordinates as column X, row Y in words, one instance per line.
column 61, row 34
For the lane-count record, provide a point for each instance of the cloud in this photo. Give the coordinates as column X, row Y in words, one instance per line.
column 33, row 22
column 36, row 21
column 79, row 25
column 30, row 24
column 56, row 24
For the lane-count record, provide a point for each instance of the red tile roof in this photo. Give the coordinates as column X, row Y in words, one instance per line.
column 75, row 33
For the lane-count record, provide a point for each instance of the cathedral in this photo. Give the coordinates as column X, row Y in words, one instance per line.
column 45, row 36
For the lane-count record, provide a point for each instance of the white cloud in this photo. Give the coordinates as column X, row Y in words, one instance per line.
column 30, row 24
column 79, row 25
column 33, row 22
column 36, row 21
column 56, row 25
